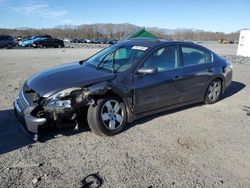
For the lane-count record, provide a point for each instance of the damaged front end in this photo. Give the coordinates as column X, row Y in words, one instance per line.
column 61, row 109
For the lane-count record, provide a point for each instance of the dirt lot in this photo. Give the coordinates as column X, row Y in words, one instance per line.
column 196, row 146
column 222, row 49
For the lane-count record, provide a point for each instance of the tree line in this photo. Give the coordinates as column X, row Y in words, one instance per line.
column 117, row 31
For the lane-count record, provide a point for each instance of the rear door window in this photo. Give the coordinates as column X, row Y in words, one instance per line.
column 195, row 56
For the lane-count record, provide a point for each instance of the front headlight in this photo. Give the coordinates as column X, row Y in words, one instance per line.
column 60, row 100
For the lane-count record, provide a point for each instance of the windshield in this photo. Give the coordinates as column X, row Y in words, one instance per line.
column 117, row 58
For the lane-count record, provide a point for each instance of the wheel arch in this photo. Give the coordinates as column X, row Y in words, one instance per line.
column 222, row 80
column 9, row 44
column 104, row 89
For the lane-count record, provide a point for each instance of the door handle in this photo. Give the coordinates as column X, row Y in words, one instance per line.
column 177, row 78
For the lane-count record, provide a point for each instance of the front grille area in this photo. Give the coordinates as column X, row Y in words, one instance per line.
column 21, row 101
column 27, row 97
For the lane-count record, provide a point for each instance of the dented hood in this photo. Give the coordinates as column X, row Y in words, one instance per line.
column 52, row 80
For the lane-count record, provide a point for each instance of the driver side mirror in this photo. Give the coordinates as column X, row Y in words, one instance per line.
column 147, row 70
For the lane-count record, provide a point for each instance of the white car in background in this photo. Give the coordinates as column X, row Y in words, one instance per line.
column 66, row 40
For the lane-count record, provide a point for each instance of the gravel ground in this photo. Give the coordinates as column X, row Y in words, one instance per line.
column 84, row 45
column 222, row 49
column 195, row 146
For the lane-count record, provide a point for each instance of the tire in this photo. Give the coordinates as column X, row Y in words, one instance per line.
column 39, row 46
column 9, row 46
column 108, row 117
column 214, row 91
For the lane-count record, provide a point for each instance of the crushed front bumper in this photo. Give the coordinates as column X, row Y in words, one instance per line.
column 30, row 123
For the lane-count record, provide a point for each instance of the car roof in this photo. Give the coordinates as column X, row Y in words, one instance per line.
column 150, row 42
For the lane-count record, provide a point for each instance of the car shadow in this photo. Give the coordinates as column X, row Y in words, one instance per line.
column 12, row 136
column 234, row 88
column 53, row 132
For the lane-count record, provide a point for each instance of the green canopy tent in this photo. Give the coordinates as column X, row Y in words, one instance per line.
column 140, row 33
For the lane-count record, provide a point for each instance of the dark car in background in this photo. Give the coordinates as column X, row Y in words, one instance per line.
column 27, row 42
column 96, row 41
column 111, row 41
column 48, row 43
column 7, row 42
column 103, row 40
column 126, row 81
column 78, row 41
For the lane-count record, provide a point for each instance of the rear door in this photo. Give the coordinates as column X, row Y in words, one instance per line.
column 3, row 40
column 197, row 72
column 162, row 89
column 46, row 42
column 54, row 43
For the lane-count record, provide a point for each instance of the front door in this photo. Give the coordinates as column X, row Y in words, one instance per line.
column 161, row 89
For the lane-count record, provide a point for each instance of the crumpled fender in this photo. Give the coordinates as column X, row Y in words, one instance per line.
column 99, row 88
column 103, row 87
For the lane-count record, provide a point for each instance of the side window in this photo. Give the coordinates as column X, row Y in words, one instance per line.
column 122, row 53
column 193, row 56
column 123, row 58
column 164, row 59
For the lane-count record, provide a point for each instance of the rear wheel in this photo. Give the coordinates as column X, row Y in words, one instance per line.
column 213, row 92
column 108, row 117
column 9, row 46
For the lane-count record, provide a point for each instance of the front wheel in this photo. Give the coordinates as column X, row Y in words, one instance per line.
column 108, row 117
column 39, row 46
column 213, row 92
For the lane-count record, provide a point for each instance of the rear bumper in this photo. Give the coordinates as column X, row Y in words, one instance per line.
column 30, row 123
column 228, row 78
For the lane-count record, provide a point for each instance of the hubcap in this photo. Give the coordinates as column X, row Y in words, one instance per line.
column 214, row 90
column 112, row 114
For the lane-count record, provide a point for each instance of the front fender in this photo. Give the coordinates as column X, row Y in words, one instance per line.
column 105, row 88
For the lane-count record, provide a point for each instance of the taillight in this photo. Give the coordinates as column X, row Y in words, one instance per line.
column 227, row 69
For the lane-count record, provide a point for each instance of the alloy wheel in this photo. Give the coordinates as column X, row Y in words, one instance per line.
column 214, row 90
column 112, row 114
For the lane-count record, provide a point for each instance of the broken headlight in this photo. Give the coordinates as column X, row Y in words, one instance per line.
column 61, row 100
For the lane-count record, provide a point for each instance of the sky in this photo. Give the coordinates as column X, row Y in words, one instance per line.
column 209, row 15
